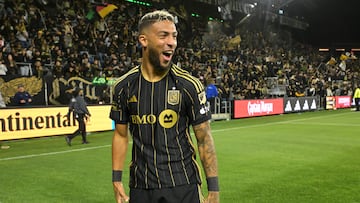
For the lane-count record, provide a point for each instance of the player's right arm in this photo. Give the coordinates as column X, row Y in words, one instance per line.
column 119, row 149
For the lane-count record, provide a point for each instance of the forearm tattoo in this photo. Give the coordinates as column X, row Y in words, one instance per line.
column 206, row 149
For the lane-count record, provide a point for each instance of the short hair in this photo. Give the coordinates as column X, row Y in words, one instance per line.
column 153, row 17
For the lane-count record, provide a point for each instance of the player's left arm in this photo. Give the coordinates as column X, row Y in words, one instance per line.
column 208, row 158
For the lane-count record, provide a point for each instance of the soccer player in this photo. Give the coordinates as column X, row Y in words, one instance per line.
column 159, row 101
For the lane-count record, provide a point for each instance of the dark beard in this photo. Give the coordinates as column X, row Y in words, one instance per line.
column 155, row 61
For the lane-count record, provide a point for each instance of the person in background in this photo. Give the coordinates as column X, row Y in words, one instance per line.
column 357, row 98
column 22, row 97
column 211, row 94
column 2, row 101
column 159, row 102
column 3, row 68
column 81, row 113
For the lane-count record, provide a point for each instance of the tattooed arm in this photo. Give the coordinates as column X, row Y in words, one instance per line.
column 208, row 158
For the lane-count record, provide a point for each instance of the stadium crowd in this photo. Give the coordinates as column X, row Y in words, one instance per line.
column 69, row 40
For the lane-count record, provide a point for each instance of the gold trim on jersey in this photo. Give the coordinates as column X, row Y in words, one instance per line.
column 190, row 141
column 192, row 107
column 140, row 137
column 184, row 74
column 132, row 71
column 193, row 157
column 153, row 134
column 178, row 142
column 166, row 138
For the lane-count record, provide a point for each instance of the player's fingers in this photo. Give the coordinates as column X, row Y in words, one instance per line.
column 125, row 200
column 124, row 196
column 117, row 194
column 118, row 198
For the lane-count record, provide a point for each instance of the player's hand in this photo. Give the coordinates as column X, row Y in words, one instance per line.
column 119, row 191
column 213, row 197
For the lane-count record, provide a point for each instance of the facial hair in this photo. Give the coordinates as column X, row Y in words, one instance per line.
column 154, row 58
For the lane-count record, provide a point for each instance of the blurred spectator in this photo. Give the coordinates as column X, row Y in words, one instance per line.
column 24, row 57
column 22, row 34
column 11, row 65
column 97, row 68
column 2, row 101
column 22, row 97
column 223, row 91
column 39, row 68
column 58, row 71
column 211, row 93
column 2, row 43
column 329, row 92
column 3, row 68
column 357, row 97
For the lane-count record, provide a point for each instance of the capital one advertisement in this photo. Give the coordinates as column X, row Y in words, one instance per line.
column 258, row 107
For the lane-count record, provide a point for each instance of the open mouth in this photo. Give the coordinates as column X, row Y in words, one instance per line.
column 167, row 55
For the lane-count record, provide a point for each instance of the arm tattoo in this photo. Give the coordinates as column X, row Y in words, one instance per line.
column 206, row 149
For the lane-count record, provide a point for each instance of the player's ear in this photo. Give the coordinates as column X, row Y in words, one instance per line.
column 143, row 40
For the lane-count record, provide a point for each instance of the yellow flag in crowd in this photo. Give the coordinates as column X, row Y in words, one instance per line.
column 105, row 10
column 332, row 61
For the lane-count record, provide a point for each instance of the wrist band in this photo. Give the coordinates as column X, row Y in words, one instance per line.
column 213, row 184
column 116, row 176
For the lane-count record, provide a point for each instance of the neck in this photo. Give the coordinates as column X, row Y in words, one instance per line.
column 152, row 74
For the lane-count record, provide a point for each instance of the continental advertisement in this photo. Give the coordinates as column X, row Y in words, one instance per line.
column 49, row 121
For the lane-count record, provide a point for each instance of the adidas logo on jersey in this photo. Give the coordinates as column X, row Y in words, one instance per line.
column 133, row 99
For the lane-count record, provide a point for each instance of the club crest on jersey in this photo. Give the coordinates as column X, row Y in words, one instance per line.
column 173, row 97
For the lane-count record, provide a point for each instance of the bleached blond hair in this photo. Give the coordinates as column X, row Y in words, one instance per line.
column 153, row 17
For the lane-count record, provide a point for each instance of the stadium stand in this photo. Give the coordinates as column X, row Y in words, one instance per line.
column 255, row 60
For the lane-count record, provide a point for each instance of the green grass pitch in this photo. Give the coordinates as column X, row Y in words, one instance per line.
column 300, row 157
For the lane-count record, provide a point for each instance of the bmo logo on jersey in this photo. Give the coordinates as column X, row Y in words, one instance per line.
column 167, row 118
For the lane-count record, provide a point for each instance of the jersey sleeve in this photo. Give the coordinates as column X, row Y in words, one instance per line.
column 119, row 111
column 197, row 110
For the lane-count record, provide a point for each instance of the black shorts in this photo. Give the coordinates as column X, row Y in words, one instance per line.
column 179, row 194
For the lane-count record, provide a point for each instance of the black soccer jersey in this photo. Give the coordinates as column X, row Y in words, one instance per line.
column 160, row 114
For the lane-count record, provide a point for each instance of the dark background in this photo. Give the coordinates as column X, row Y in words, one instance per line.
column 333, row 23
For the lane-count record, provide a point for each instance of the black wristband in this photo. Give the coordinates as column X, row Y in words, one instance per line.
column 213, row 184
column 116, row 176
